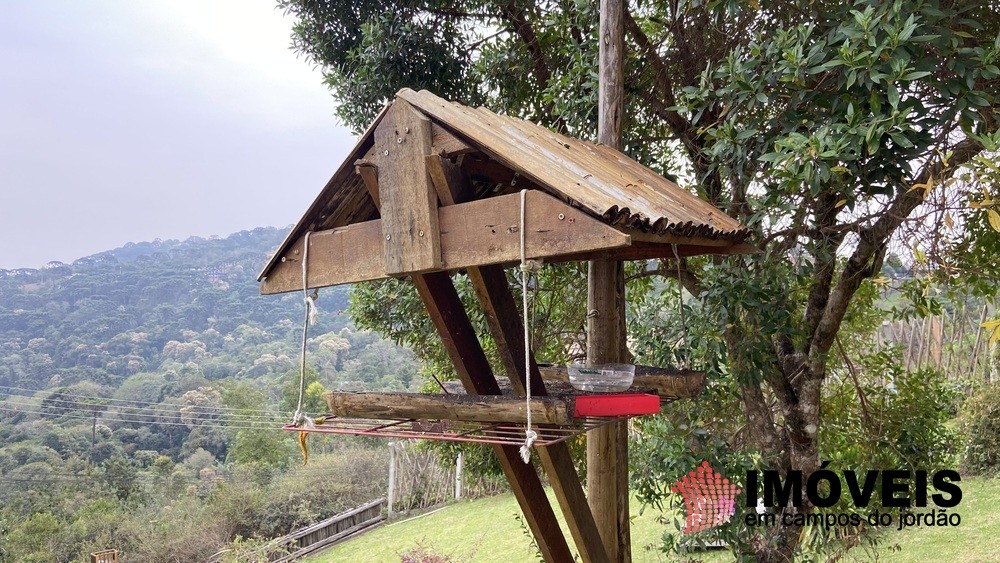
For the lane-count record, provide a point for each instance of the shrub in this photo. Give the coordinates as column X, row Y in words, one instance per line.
column 980, row 423
column 331, row 483
column 901, row 422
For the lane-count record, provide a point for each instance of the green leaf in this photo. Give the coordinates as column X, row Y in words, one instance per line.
column 994, row 219
column 916, row 75
column 893, row 94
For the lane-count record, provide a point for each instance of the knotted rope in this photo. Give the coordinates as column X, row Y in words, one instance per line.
column 299, row 419
column 527, row 268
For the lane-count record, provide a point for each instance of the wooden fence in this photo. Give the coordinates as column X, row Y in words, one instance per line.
column 954, row 342
column 330, row 531
column 419, row 478
column 106, row 556
column 322, row 534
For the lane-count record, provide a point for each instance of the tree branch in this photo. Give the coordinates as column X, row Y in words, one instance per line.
column 516, row 15
column 866, row 260
column 668, row 269
column 825, row 262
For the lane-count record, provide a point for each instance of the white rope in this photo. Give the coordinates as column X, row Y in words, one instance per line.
column 526, row 268
column 680, row 306
column 300, row 419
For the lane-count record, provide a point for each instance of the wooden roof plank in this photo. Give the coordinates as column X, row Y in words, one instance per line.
column 518, row 144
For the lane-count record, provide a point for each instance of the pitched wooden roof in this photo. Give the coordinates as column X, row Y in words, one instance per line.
column 595, row 178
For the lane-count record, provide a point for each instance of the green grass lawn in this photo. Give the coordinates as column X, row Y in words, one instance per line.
column 488, row 530
column 484, row 530
column 975, row 540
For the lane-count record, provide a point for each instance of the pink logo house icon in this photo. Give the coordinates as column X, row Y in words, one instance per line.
column 709, row 498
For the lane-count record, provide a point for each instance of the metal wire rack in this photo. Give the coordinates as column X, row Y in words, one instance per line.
column 501, row 433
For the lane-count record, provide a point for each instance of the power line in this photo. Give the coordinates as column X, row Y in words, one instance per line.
column 113, row 400
column 73, row 405
column 110, row 414
column 128, row 420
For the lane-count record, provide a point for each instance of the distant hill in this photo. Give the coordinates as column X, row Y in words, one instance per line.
column 153, row 306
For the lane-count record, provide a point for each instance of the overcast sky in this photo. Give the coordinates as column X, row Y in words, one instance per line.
column 130, row 120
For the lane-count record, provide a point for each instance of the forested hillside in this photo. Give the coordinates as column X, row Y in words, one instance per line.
column 132, row 375
column 120, row 316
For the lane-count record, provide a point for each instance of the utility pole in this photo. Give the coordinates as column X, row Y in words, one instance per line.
column 607, row 447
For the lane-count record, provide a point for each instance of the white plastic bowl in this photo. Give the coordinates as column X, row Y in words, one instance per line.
column 603, row 378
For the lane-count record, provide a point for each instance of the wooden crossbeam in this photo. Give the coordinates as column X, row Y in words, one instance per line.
column 475, row 233
column 472, row 408
column 560, row 410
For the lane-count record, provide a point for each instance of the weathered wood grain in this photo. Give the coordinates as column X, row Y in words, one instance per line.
column 505, row 325
column 607, row 447
column 449, row 317
column 406, row 197
column 472, row 408
column 668, row 383
column 598, row 177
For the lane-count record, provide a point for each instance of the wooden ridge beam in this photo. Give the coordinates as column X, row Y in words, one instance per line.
column 443, row 143
column 476, row 233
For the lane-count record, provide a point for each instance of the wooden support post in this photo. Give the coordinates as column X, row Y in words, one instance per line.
column 607, row 447
column 453, row 325
column 391, row 496
column 459, row 467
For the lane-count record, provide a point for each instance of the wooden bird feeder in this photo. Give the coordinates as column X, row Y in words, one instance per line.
column 432, row 188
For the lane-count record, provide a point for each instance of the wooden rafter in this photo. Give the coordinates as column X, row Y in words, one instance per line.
column 459, row 338
column 452, row 323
